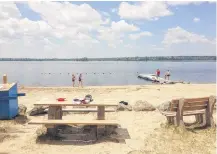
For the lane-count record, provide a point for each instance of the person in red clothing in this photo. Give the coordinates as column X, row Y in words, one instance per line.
column 158, row 73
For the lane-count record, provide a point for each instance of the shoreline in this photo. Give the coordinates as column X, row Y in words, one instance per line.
column 111, row 87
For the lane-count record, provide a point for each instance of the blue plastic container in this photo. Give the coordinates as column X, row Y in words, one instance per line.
column 9, row 101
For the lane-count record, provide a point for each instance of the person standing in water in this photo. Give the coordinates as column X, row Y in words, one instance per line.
column 167, row 75
column 73, row 80
column 80, row 80
column 158, row 73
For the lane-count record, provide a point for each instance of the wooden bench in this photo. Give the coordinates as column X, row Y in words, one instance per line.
column 202, row 108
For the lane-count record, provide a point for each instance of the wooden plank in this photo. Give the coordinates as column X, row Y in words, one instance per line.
column 55, row 112
column 179, row 114
column 209, row 111
column 74, row 122
column 185, row 113
column 101, row 113
column 85, row 110
column 71, row 104
column 193, row 108
column 188, row 113
column 197, row 103
column 193, row 99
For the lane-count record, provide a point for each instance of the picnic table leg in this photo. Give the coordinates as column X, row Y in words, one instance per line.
column 101, row 113
column 54, row 112
column 100, row 116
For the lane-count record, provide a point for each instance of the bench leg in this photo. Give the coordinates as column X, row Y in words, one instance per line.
column 199, row 118
column 170, row 120
column 101, row 113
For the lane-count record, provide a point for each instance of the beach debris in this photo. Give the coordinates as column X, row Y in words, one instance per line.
column 143, row 106
column 37, row 110
column 21, row 119
column 164, row 106
column 124, row 106
column 22, row 109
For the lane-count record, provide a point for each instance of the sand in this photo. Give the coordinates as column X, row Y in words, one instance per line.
column 147, row 130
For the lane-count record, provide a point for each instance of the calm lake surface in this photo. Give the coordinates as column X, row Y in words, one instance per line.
column 58, row 73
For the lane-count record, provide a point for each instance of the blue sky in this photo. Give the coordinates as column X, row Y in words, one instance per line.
column 107, row 29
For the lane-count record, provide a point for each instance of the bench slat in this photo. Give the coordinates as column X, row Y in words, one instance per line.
column 186, row 113
column 74, row 122
column 175, row 101
column 192, row 108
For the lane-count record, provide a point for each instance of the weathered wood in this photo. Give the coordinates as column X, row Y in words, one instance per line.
column 170, row 119
column 74, row 122
column 55, row 112
column 179, row 114
column 198, row 103
column 85, row 110
column 5, row 79
column 101, row 113
column 71, row 104
column 209, row 112
column 185, row 113
column 192, row 108
column 176, row 101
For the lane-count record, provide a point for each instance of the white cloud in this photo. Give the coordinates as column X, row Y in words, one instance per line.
column 196, row 19
column 179, row 35
column 9, row 10
column 139, row 35
column 122, row 26
column 149, row 10
column 115, row 34
column 68, row 14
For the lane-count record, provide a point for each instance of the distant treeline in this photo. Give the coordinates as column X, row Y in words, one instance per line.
column 165, row 58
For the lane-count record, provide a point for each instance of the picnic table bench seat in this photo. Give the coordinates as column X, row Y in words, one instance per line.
column 74, row 122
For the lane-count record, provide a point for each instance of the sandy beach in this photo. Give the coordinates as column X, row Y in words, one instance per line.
column 147, row 130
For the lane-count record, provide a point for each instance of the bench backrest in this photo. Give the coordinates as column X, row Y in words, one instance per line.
column 190, row 104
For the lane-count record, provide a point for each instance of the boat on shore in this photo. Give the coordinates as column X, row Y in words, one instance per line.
column 150, row 77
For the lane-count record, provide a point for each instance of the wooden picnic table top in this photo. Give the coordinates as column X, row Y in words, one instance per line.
column 71, row 104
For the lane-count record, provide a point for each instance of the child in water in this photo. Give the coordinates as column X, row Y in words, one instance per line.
column 167, row 75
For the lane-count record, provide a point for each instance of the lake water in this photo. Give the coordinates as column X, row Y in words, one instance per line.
column 58, row 73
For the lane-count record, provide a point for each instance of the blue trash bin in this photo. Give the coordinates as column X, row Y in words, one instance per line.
column 9, row 101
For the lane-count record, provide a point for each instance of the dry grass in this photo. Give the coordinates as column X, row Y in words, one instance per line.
column 174, row 140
